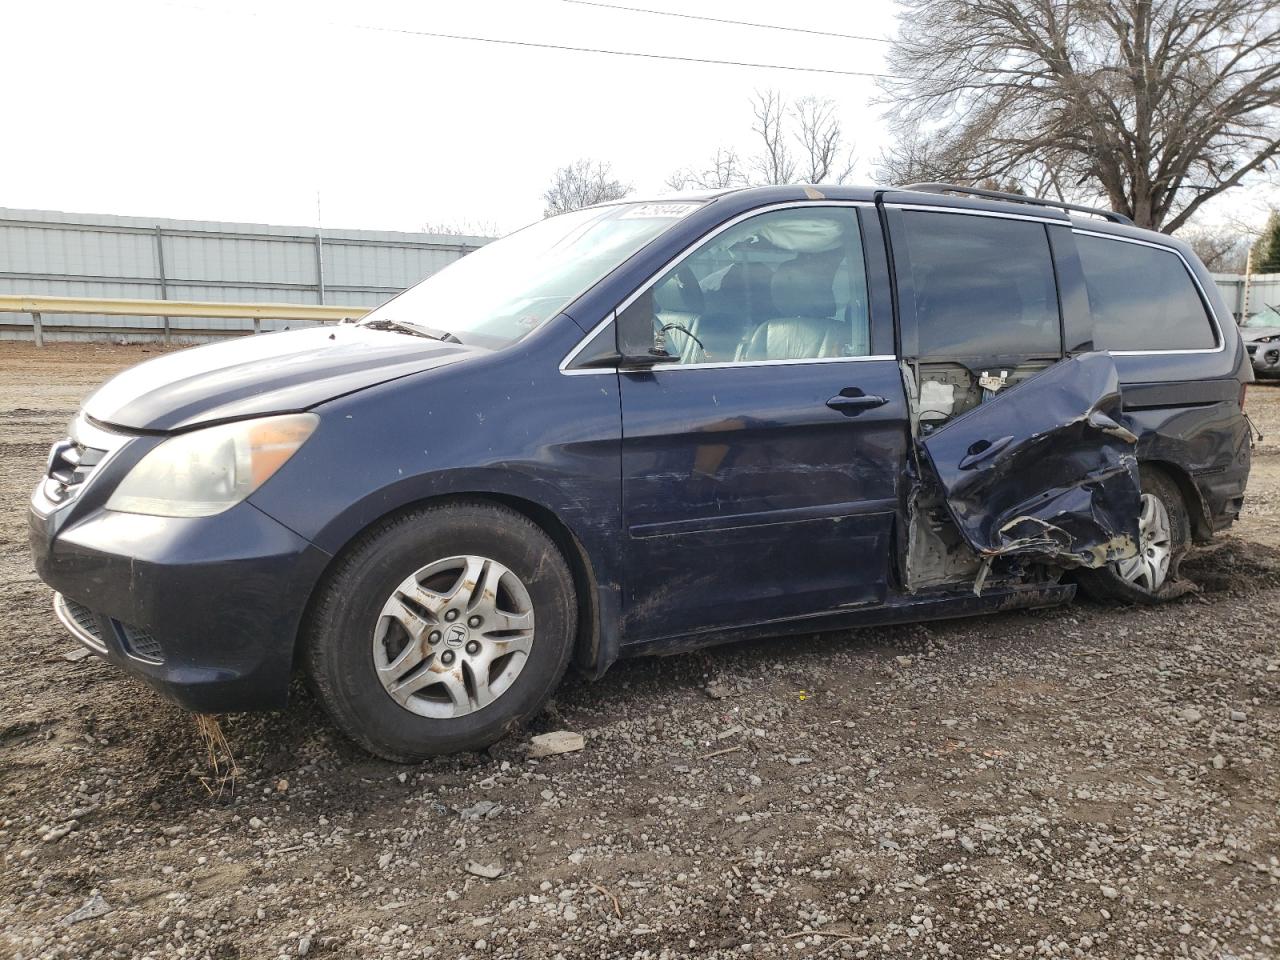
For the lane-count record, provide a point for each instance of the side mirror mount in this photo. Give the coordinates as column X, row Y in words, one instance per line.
column 637, row 344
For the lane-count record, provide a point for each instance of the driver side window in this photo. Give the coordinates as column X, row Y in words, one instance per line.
column 787, row 285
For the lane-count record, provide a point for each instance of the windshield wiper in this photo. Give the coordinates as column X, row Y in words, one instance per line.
column 416, row 329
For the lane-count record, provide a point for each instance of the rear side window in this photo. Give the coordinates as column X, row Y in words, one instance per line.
column 1142, row 298
column 984, row 286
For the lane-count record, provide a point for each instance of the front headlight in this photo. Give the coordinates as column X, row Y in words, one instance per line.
column 204, row 472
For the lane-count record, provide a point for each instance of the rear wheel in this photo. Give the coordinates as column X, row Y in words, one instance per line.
column 1164, row 536
column 442, row 630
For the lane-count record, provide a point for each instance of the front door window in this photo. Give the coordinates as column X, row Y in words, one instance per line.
column 784, row 286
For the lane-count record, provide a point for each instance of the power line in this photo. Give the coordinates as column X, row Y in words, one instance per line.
column 736, row 23
column 787, row 29
column 627, row 53
column 533, row 44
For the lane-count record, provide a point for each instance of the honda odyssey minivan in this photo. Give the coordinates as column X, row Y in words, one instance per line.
column 647, row 426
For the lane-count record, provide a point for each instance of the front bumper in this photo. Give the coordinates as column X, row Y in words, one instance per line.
column 1265, row 358
column 205, row 610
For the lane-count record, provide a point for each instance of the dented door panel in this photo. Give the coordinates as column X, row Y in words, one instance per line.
column 1045, row 470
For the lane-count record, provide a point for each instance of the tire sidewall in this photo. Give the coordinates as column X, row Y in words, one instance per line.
column 342, row 637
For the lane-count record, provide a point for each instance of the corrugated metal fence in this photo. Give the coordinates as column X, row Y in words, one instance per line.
column 83, row 255
column 1264, row 291
column 43, row 252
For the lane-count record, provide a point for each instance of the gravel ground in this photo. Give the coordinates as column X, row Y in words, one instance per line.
column 1088, row 781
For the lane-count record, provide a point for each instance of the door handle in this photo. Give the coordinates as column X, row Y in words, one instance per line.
column 851, row 400
column 982, row 450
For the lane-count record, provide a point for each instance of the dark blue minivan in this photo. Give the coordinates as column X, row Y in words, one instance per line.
column 644, row 427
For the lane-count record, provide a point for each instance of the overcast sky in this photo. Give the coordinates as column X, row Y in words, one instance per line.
column 244, row 110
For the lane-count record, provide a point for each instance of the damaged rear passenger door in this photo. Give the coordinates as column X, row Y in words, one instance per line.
column 1021, row 455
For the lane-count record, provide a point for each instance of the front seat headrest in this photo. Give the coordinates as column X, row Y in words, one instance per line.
column 803, row 287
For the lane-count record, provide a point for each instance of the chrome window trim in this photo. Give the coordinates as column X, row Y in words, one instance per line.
column 745, row 364
column 1205, row 302
column 933, row 208
column 685, row 252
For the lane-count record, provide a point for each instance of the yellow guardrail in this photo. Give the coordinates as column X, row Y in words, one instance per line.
column 37, row 306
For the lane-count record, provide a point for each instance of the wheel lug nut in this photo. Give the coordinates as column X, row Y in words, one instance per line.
column 433, row 636
column 447, row 657
column 474, row 621
column 473, row 647
column 451, row 615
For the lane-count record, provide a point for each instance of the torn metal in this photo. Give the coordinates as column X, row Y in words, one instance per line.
column 1044, row 470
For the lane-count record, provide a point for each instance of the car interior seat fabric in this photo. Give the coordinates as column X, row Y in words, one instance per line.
column 806, row 325
column 677, row 305
column 738, row 299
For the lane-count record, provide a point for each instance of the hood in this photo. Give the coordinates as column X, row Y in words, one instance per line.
column 264, row 374
column 1254, row 334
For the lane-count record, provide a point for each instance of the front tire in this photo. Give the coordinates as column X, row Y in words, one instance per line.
column 1164, row 531
column 441, row 630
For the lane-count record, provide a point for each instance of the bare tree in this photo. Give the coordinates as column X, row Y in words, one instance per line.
column 723, row 170
column 809, row 126
column 581, row 184
column 774, row 163
column 1155, row 105
column 463, row 228
column 820, row 139
column 1222, row 249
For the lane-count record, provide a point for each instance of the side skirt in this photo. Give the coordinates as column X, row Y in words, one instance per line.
column 899, row 609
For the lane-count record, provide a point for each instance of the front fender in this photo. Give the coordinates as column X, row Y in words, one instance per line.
column 498, row 429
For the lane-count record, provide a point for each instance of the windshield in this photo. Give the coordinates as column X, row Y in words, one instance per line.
column 508, row 288
column 1268, row 316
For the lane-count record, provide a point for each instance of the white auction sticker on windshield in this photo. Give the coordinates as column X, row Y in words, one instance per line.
column 665, row 211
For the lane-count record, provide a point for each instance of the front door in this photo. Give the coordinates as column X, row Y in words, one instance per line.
column 761, row 473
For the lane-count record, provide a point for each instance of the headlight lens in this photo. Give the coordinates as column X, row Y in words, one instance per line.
column 207, row 471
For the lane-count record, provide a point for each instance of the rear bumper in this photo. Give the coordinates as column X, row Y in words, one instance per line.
column 205, row 610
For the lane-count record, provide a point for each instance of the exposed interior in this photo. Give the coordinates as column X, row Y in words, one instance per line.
column 937, row 556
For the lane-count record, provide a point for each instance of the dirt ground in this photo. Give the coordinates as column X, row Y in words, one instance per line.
column 1087, row 781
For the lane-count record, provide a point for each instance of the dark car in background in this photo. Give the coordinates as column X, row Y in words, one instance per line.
column 645, row 427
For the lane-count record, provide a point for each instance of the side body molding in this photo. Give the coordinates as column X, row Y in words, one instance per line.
column 1046, row 470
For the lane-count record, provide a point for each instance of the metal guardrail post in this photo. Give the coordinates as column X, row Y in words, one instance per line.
column 1248, row 284
column 164, row 281
column 35, row 322
column 320, row 266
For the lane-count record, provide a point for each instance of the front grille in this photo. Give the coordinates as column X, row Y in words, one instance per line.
column 140, row 644
column 85, row 619
column 70, row 464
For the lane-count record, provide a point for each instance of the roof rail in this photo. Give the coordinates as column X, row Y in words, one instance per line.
column 1017, row 198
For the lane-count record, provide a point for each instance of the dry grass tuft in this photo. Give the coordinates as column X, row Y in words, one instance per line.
column 221, row 763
